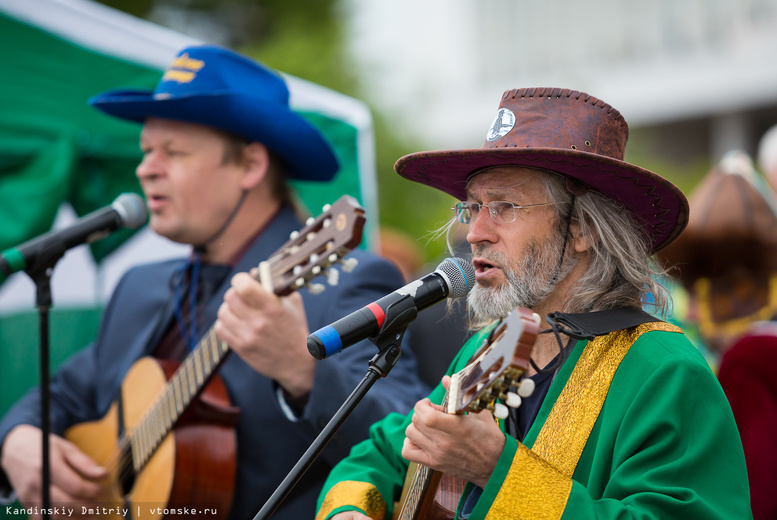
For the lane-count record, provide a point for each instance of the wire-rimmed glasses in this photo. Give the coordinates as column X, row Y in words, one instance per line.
column 501, row 211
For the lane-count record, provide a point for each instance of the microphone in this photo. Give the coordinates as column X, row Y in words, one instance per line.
column 454, row 278
column 128, row 210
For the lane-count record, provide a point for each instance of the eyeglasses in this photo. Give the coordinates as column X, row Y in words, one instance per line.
column 502, row 212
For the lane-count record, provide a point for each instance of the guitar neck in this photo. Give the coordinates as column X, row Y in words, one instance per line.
column 492, row 374
column 184, row 386
column 306, row 255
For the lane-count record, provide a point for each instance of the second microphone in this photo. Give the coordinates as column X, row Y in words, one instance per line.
column 453, row 278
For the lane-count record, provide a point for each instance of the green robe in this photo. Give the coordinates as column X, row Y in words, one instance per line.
column 637, row 427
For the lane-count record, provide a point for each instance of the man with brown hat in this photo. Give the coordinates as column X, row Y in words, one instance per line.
column 627, row 420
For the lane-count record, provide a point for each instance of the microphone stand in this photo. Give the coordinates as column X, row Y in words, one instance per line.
column 41, row 275
column 388, row 340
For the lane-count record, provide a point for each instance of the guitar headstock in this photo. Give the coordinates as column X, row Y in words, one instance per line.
column 496, row 367
column 311, row 251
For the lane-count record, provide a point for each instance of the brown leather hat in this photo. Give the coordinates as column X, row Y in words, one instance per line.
column 568, row 132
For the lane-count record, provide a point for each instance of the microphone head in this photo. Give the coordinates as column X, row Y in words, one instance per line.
column 460, row 276
column 131, row 209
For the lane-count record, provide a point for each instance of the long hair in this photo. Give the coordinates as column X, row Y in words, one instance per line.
column 621, row 273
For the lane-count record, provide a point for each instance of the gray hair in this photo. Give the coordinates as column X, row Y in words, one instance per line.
column 622, row 272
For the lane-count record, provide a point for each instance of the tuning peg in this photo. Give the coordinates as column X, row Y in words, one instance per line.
column 501, row 411
column 299, row 282
column 513, row 400
column 316, row 288
column 297, row 270
column 326, row 208
column 349, row 264
column 332, row 276
column 526, row 388
column 293, row 235
column 316, row 270
column 309, row 221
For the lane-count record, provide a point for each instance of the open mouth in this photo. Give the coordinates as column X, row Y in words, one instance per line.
column 483, row 266
column 155, row 201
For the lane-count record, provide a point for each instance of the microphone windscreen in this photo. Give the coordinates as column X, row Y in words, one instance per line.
column 460, row 275
column 131, row 209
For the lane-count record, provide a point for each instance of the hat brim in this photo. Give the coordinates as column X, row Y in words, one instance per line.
column 306, row 153
column 657, row 202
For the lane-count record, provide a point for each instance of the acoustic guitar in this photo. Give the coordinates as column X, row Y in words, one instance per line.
column 168, row 440
column 493, row 374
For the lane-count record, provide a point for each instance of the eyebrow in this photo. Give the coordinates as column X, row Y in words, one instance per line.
column 165, row 144
column 497, row 193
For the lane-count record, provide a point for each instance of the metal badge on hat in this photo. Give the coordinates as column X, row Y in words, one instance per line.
column 503, row 123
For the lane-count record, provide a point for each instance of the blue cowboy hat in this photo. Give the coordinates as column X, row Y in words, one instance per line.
column 217, row 87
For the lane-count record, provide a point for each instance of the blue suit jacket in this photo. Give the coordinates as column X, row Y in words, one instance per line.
column 269, row 444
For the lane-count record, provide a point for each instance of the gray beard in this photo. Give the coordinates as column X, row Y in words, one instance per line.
column 528, row 282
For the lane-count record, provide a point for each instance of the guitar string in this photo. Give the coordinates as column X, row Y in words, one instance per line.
column 419, row 483
column 147, row 444
column 148, row 441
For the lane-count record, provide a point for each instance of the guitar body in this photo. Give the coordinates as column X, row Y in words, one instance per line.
column 492, row 374
column 436, row 498
column 193, row 467
column 174, row 422
column 446, row 498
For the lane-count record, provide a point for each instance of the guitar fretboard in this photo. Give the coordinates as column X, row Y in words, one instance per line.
column 187, row 382
column 307, row 254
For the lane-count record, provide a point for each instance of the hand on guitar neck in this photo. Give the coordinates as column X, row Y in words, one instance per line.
column 75, row 478
column 466, row 447
column 269, row 332
column 263, row 319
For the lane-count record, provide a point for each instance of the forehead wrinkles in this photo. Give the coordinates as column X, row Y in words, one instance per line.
column 496, row 183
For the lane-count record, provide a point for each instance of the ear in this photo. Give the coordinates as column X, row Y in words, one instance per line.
column 581, row 243
column 256, row 163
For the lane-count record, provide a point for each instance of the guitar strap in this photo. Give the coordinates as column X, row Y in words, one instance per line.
column 588, row 325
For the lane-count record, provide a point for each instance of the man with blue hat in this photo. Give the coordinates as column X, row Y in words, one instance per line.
column 219, row 141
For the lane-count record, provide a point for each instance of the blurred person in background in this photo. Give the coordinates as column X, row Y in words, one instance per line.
column 219, row 142
column 627, row 422
column 726, row 259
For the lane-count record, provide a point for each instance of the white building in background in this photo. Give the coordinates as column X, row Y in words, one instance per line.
column 697, row 77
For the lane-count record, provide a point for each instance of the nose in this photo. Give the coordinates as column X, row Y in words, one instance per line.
column 149, row 167
column 482, row 228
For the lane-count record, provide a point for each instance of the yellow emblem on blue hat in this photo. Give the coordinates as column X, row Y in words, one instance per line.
column 183, row 69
